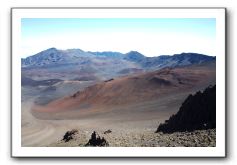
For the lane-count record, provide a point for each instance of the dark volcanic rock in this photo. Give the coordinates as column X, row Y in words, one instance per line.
column 69, row 135
column 198, row 112
column 96, row 140
column 108, row 131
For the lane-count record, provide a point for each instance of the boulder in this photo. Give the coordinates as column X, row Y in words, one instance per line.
column 96, row 140
column 108, row 131
column 69, row 135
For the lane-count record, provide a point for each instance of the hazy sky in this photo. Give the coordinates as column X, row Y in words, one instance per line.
column 150, row 36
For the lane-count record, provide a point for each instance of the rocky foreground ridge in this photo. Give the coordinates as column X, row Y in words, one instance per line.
column 198, row 138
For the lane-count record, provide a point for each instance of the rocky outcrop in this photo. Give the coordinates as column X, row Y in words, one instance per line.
column 108, row 131
column 96, row 140
column 69, row 135
column 198, row 112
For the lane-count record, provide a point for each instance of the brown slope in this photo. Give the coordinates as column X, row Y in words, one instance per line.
column 135, row 89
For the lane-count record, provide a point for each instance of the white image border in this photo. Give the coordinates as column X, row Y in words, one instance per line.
column 218, row 151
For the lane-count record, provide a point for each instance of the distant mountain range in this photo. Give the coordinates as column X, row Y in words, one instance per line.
column 163, row 61
column 74, row 63
column 54, row 56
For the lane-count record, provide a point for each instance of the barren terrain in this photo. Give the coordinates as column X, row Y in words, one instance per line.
column 95, row 94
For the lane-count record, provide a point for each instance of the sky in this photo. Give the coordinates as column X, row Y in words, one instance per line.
column 149, row 36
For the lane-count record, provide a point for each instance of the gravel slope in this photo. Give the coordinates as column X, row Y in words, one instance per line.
column 198, row 138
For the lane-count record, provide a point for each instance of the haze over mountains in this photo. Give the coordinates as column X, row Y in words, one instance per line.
column 79, row 64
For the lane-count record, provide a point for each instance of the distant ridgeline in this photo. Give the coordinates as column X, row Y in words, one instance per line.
column 55, row 57
column 197, row 112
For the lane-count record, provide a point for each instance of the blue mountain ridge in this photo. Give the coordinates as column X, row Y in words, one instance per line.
column 56, row 56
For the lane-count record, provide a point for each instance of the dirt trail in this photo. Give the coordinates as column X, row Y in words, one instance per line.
column 37, row 132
